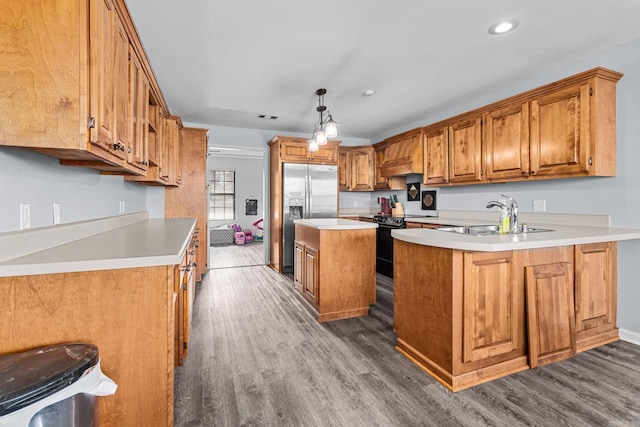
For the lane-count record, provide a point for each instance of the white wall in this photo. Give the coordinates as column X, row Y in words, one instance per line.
column 82, row 193
column 249, row 185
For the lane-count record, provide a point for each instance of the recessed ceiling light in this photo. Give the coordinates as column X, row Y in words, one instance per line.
column 369, row 92
column 267, row 117
column 503, row 27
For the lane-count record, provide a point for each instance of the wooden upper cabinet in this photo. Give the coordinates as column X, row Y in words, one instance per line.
column 356, row 168
column 573, row 126
column 172, row 160
column 560, row 132
column 74, row 84
column 296, row 150
column 381, row 182
column 564, row 129
column 344, row 169
column 403, row 154
column 465, row 142
column 362, row 168
column 139, row 104
column 506, row 142
column 436, row 156
column 102, row 52
column 123, row 144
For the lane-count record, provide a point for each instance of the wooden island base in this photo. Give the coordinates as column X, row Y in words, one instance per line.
column 468, row 317
column 335, row 270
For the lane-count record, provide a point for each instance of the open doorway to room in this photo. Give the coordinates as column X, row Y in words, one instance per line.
column 236, row 178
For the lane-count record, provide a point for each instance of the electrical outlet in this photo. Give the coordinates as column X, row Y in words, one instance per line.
column 25, row 215
column 539, row 205
column 121, row 207
column 56, row 213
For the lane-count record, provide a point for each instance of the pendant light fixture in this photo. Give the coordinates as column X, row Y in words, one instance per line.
column 325, row 127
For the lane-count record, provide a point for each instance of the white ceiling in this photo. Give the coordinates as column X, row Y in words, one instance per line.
column 224, row 62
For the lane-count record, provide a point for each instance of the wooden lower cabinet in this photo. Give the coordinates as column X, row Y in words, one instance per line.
column 550, row 313
column 184, row 291
column 306, row 271
column 595, row 294
column 461, row 316
column 492, row 311
column 132, row 315
column 335, row 270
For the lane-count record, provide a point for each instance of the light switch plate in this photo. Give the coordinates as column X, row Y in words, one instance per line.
column 56, row 213
column 539, row 205
column 25, row 215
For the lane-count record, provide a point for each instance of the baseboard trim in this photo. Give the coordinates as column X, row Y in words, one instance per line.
column 629, row 336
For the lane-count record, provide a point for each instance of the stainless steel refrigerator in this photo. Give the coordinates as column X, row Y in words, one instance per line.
column 308, row 191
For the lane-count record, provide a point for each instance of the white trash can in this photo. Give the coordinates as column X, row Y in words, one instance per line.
column 52, row 386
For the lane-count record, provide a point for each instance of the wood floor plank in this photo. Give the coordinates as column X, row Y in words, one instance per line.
column 236, row 255
column 258, row 356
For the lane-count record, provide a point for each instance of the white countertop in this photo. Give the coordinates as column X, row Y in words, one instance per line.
column 126, row 241
column 562, row 235
column 334, row 224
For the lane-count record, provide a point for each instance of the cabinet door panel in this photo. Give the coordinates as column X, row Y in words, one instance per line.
column 122, row 146
column 344, row 169
column 298, row 265
column 310, row 281
column 550, row 313
column 560, row 132
column 506, row 136
column 465, row 140
column 361, row 170
column 103, row 45
column 436, row 156
column 139, row 105
column 490, row 306
column 595, row 290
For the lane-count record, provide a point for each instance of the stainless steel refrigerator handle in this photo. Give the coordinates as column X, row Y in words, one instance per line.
column 308, row 197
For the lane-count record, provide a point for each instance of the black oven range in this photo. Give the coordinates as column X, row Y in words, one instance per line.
column 384, row 241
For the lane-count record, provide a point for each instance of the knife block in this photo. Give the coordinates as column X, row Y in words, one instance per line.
column 398, row 210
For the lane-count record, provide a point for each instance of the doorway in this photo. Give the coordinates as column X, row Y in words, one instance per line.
column 249, row 191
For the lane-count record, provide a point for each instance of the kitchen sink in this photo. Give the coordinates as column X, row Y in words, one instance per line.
column 485, row 230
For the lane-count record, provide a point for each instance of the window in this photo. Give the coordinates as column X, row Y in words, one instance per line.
column 222, row 195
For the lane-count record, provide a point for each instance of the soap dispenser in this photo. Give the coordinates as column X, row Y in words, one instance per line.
column 505, row 226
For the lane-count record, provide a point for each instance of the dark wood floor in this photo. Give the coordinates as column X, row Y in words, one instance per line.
column 259, row 358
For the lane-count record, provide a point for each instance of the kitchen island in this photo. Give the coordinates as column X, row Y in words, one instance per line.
column 471, row 308
column 335, row 266
column 122, row 283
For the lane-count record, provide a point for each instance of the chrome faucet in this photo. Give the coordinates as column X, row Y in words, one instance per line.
column 512, row 209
